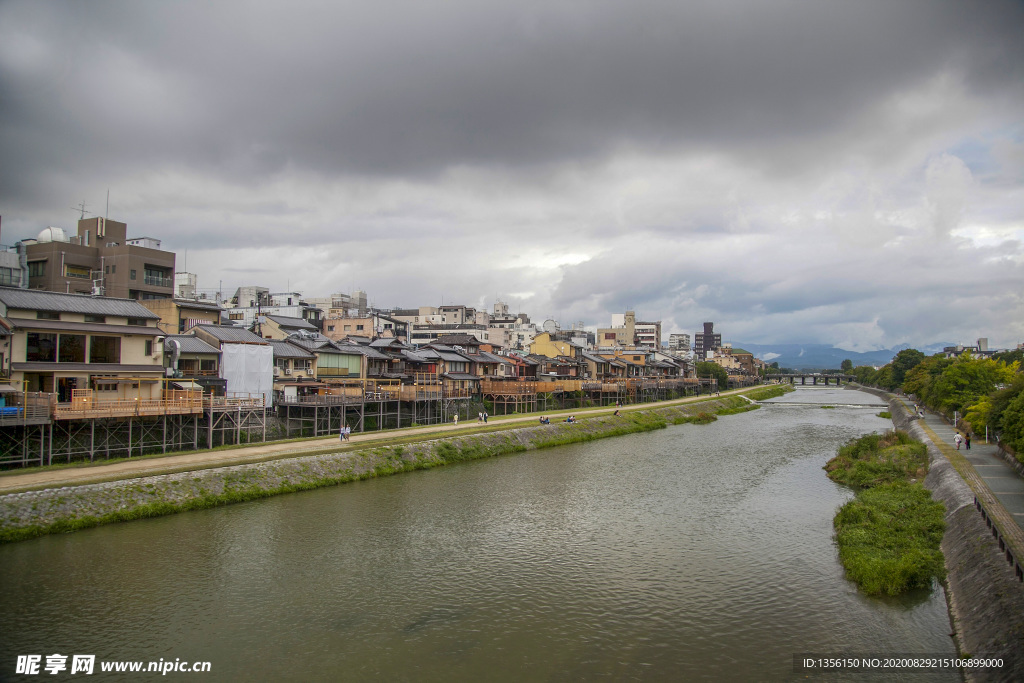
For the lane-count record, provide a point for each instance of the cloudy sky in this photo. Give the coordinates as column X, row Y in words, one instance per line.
column 837, row 172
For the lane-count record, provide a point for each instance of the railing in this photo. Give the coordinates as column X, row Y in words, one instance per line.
column 158, row 281
column 84, row 404
column 231, row 402
column 26, row 408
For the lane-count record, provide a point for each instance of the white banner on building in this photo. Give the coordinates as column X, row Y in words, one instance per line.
column 249, row 369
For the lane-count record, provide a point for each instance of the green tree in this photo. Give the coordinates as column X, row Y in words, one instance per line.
column 846, row 365
column 968, row 379
column 713, row 370
column 904, row 361
column 865, row 374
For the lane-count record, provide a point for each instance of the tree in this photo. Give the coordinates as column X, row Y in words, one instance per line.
column 715, row 371
column 968, row 379
column 847, row 365
column 905, row 361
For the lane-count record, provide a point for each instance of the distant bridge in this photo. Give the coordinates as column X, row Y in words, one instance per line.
column 816, row 378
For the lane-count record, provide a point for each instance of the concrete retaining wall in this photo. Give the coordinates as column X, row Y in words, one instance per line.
column 986, row 601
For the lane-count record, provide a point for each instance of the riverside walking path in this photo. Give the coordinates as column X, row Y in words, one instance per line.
column 984, row 460
column 56, row 477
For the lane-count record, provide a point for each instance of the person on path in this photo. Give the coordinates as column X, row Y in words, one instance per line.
column 479, row 417
column 967, row 441
column 485, row 417
column 456, row 419
column 957, row 439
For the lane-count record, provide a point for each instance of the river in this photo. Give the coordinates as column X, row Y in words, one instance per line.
column 693, row 552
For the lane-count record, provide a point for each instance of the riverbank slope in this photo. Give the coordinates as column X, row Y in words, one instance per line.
column 986, row 601
column 55, row 510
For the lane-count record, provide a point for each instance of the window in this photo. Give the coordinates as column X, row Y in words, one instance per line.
column 37, row 268
column 10, row 277
column 348, row 328
column 330, row 328
column 208, row 365
column 93, row 318
column 131, row 274
column 140, row 322
column 101, row 383
column 106, row 270
column 104, row 349
column 359, row 327
column 236, row 316
column 71, row 348
column 80, row 272
column 47, row 315
column 609, row 335
column 87, row 238
column 149, row 347
column 41, row 347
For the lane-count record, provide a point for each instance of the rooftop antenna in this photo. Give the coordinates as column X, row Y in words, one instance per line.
column 106, row 214
column 81, row 208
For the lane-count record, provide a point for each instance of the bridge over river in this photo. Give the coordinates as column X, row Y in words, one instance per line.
column 836, row 378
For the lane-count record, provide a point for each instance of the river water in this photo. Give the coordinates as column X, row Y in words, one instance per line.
column 693, row 552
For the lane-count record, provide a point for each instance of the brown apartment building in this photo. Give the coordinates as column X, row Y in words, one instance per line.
column 100, row 255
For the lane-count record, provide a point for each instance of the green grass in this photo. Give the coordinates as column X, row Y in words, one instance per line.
column 888, row 538
column 885, row 414
column 876, row 459
column 773, row 391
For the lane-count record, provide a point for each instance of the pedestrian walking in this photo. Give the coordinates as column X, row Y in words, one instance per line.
column 957, row 439
column 479, row 417
column 456, row 419
column 485, row 417
column 967, row 441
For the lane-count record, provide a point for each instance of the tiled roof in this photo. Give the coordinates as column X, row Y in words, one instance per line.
column 39, row 300
column 292, row 323
column 225, row 333
column 283, row 349
column 189, row 344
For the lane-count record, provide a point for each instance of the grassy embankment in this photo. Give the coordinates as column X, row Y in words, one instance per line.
column 889, row 535
column 382, row 460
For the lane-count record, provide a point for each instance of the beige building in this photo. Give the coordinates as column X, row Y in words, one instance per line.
column 180, row 315
column 60, row 343
column 101, row 258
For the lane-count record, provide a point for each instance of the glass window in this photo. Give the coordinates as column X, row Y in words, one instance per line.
column 149, row 347
column 47, row 315
column 80, row 272
column 141, row 322
column 72, row 348
column 37, row 268
column 104, row 349
column 132, row 274
column 41, row 347
column 91, row 318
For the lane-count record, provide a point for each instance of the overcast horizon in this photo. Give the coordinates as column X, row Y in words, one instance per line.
column 845, row 173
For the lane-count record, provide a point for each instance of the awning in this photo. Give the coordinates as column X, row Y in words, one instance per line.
column 187, row 386
column 8, row 389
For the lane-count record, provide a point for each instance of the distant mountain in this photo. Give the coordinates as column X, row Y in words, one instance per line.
column 803, row 356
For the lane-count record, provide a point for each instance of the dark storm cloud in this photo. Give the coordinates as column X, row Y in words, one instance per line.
column 403, row 88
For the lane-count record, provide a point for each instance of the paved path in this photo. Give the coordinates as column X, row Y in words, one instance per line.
column 1001, row 479
column 129, row 469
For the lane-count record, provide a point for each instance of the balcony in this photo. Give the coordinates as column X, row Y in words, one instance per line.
column 158, row 281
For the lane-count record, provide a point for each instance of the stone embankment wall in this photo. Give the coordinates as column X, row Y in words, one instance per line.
column 34, row 513
column 986, row 601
